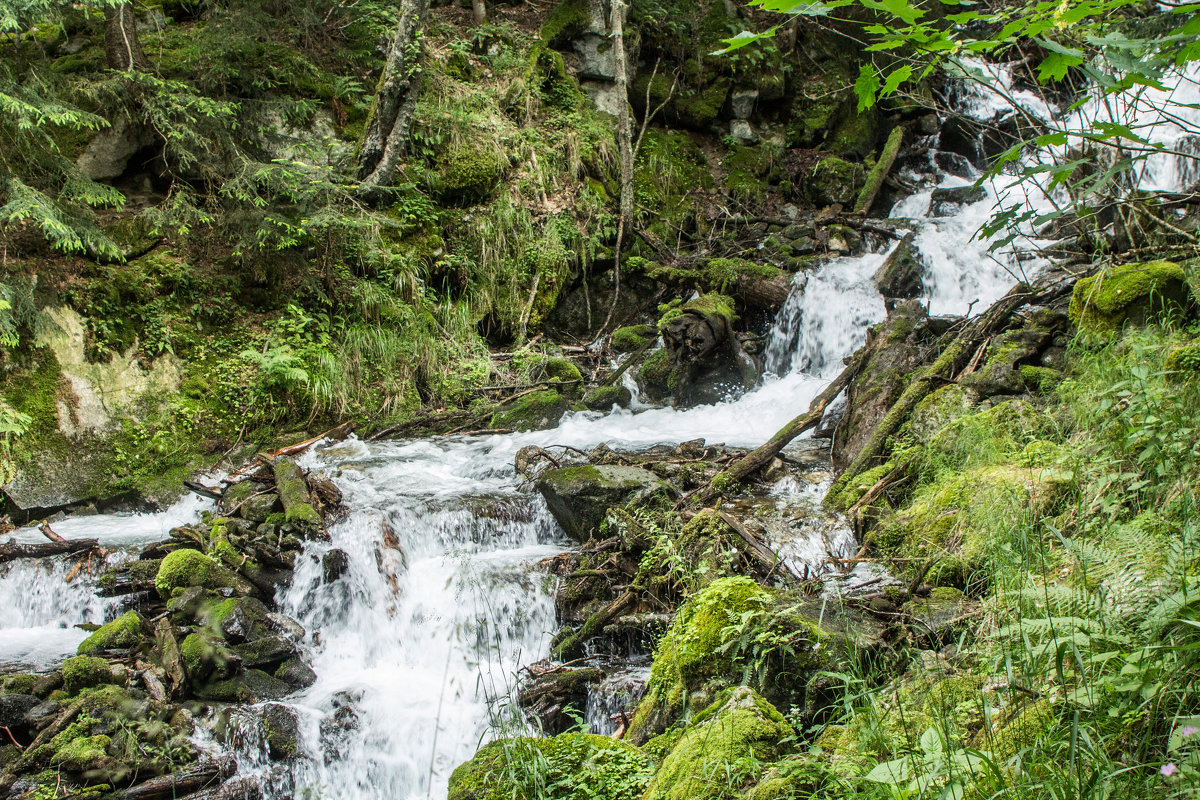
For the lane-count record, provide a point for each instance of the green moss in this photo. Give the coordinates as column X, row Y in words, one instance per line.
column 632, row 338
column 855, row 136
column 1021, row 732
column 84, row 672
column 1185, row 358
column 835, row 180
column 468, row 172
column 1136, row 293
column 82, row 753
column 602, row 398
column 567, row 21
column 123, row 632
column 720, row 754
column 534, row 411
column 184, row 568
column 20, row 683
column 1040, row 379
column 568, row 765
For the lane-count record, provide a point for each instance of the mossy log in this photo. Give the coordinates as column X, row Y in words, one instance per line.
column 193, row 778
column 952, row 360
column 887, row 157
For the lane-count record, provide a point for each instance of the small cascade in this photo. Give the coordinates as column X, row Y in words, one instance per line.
column 611, row 701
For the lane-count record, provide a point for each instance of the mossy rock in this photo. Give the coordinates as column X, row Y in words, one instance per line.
column 1132, row 293
column 740, row 726
column 699, row 649
column 204, row 655
column 632, row 338
column 84, row 672
column 602, row 398
column 1021, row 731
column 532, row 412
column 939, row 408
column 82, row 753
column 468, row 173
column 580, row 497
column 655, row 375
column 186, row 568
column 1185, row 358
column 568, row 765
column 835, row 180
column 568, row 20
column 123, row 632
column 20, row 683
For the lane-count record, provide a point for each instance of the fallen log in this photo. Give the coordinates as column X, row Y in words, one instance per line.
column 767, row 559
column 49, row 532
column 887, row 157
column 11, row 552
column 595, row 624
column 762, row 456
column 201, row 775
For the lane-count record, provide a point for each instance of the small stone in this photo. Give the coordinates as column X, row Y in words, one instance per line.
column 296, row 674
column 741, row 102
column 947, row 202
column 743, row 131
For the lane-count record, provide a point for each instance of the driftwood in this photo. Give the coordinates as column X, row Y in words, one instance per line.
column 762, row 456
column 336, row 434
column 49, row 532
column 767, row 559
column 11, row 552
column 201, row 775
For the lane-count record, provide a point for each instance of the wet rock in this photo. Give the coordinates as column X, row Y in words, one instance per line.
column 42, row 714
column 286, row 626
column 704, row 359
column 632, row 338
column 602, row 398
column 191, row 568
column 257, row 508
column 578, row 497
column 534, row 411
column 902, row 272
column 281, row 729
column 296, row 674
column 1131, row 293
column 334, row 565
column 947, row 202
column 84, row 672
column 555, row 698
column 834, row 180
column 120, row 634
column 242, row 618
column 299, row 514
column 264, row 651
column 14, row 710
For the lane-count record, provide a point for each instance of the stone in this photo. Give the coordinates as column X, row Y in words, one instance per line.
column 257, row 508
column 1130, row 293
column 265, row 651
column 107, row 155
column 739, row 725
column 281, row 729
column 286, row 626
column 552, row 698
column 743, row 131
column 84, row 672
column 241, row 618
column 901, row 273
column 15, row 708
column 835, row 180
column 632, row 338
column 296, row 674
column 120, row 634
column 742, row 101
column 534, row 411
column 947, row 202
column 334, row 565
column 603, row 398
column 579, row 497
column 191, row 568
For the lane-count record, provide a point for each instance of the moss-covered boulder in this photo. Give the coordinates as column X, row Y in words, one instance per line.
column 568, row 765
column 739, row 728
column 468, row 172
column 123, row 632
column 579, row 497
column 602, row 398
column 84, row 672
column 835, row 180
column 532, row 412
column 1130, row 293
column 185, row 568
column 632, row 338
column 704, row 650
column 298, row 508
column 654, row 376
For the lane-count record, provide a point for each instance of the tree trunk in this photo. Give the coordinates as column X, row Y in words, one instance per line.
column 395, row 101
column 624, row 145
column 122, row 47
column 11, row 552
column 479, row 11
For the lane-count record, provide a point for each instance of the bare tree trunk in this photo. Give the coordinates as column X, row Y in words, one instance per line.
column 395, row 101
column 624, row 145
column 122, row 47
column 479, row 11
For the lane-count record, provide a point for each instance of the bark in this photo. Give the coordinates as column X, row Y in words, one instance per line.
column 624, row 146
column 11, row 552
column 479, row 11
column 887, row 157
column 122, row 47
column 395, row 101
column 767, row 293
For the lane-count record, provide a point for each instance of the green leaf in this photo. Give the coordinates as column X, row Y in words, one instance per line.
column 866, row 87
column 895, row 79
column 1054, row 66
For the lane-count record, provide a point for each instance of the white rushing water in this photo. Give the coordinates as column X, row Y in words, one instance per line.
column 417, row 645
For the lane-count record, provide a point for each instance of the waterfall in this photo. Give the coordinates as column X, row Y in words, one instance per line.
column 417, row 644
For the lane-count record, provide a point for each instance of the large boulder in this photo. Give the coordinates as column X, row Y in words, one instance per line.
column 739, row 726
column 1133, row 293
column 707, row 362
column 568, row 765
column 579, row 497
column 902, row 272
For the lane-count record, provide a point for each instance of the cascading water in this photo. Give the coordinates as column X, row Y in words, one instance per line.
column 415, row 646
